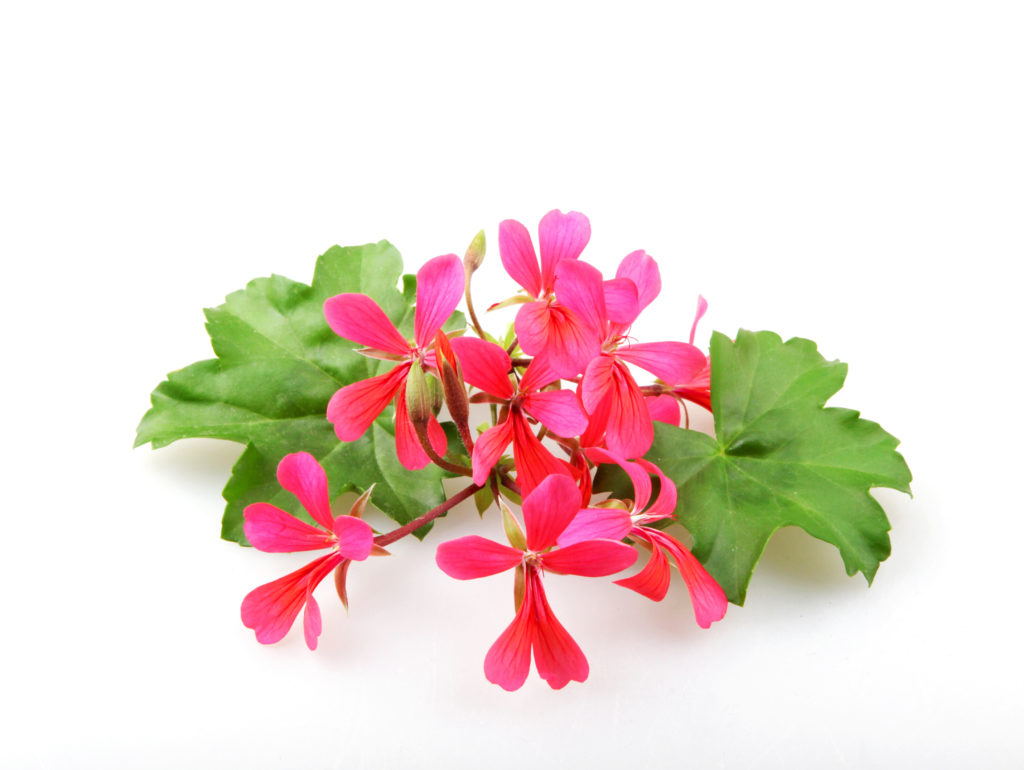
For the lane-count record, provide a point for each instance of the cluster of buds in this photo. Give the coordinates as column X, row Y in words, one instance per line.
column 562, row 395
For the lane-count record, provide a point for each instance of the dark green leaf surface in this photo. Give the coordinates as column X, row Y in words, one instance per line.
column 278, row 364
column 780, row 458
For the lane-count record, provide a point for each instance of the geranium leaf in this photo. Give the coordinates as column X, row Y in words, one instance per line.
column 779, row 458
column 278, row 363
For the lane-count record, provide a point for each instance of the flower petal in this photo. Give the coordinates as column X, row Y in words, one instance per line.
column 562, row 237
column 598, row 382
column 558, row 410
column 596, row 523
column 489, row 448
column 518, row 256
column 559, row 659
column 474, row 557
column 665, row 409
column 620, row 300
column 653, row 580
column 508, row 660
column 303, row 476
column 590, row 558
column 674, row 362
column 484, row 365
column 668, row 494
column 312, row 624
column 439, row 287
column 548, row 510
column 641, row 481
column 708, row 598
column 642, row 270
column 272, row 530
column 271, row 609
column 629, row 431
column 534, row 463
column 702, row 308
column 355, row 537
column 407, row 444
column 354, row 408
column 580, row 288
column 358, row 318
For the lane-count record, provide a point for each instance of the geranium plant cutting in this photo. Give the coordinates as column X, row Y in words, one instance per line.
column 371, row 382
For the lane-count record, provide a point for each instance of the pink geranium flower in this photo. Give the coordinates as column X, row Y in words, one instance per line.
column 708, row 598
column 440, row 283
column 696, row 387
column 271, row 609
column 486, row 366
column 545, row 326
column 546, row 513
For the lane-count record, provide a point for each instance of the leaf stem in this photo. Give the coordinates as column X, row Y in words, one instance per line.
column 397, row 534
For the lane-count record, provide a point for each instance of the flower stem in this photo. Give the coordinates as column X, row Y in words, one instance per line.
column 397, row 534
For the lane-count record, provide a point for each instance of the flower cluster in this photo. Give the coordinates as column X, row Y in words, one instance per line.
column 564, row 398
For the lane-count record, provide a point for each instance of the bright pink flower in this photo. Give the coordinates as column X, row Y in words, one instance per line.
column 486, row 366
column 708, row 598
column 696, row 387
column 440, row 283
column 546, row 513
column 545, row 326
column 271, row 609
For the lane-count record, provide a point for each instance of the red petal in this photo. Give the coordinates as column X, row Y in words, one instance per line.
column 664, row 408
column 271, row 609
column 534, row 463
column 558, row 410
column 354, row 408
column 439, row 287
column 474, row 557
column 488, row 449
column 270, row 529
column 708, row 598
column 518, row 256
column 673, row 362
column 302, row 475
column 508, row 660
column 358, row 318
column 590, row 558
column 653, row 580
column 548, row 510
column 597, row 523
column 629, row 432
column 641, row 481
column 559, row 659
column 484, row 365
column 407, row 444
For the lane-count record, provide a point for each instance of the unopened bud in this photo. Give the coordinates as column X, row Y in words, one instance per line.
column 418, row 400
column 611, row 502
column 475, row 253
column 513, row 530
column 451, row 380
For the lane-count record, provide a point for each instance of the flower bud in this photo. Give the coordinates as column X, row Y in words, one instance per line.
column 475, row 253
column 418, row 399
column 451, row 380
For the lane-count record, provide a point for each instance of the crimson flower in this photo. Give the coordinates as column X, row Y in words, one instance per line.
column 546, row 513
column 708, row 598
column 439, row 287
column 271, row 609
column 486, row 366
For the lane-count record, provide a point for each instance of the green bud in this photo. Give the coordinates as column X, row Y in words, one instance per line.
column 475, row 253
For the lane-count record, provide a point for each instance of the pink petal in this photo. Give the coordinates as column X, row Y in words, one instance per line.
column 665, row 409
column 641, row 481
column 508, row 660
column 489, row 448
column 629, row 432
column 548, row 510
column 598, row 382
column 554, row 333
column 439, row 287
column 407, row 443
column 559, row 659
column 562, row 237
column 590, row 558
column 668, row 495
column 474, row 557
column 698, row 389
column 708, row 598
column 673, row 362
column 537, row 375
column 558, row 410
column 597, row 523
column 354, row 408
column 518, row 256
column 311, row 622
column 355, row 537
column 653, row 580
column 702, row 308
column 534, row 463
column 620, row 300
column 484, row 365
column 358, row 318
column 643, row 271
column 580, row 288
column 302, row 475
column 270, row 529
column 271, row 609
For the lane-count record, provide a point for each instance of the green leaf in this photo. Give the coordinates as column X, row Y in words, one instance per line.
column 278, row 364
column 780, row 458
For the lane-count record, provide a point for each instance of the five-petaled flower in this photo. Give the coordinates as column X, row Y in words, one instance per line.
column 547, row 512
column 271, row 609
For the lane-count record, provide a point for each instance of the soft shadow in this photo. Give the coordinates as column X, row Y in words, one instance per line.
column 796, row 557
column 199, row 460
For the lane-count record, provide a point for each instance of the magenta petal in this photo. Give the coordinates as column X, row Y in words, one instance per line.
column 302, row 475
column 407, row 443
column 708, row 598
column 518, row 256
column 596, row 523
column 580, row 288
column 702, row 308
column 653, row 580
column 665, row 409
column 558, row 410
column 312, row 624
column 641, row 481
column 484, row 365
column 668, row 494
column 590, row 558
column 355, row 537
column 474, row 557
column 508, row 660
column 534, row 463
column 358, row 318
column 354, row 408
column 642, row 270
column 554, row 334
column 673, row 362
column 270, row 529
column 489, row 448
column 439, row 287
column 549, row 510
column 271, row 609
column 629, row 432
column 559, row 659
column 538, row 374
column 620, row 300
column 562, row 237
column 598, row 382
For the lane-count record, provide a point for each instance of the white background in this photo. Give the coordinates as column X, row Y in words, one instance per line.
column 846, row 172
